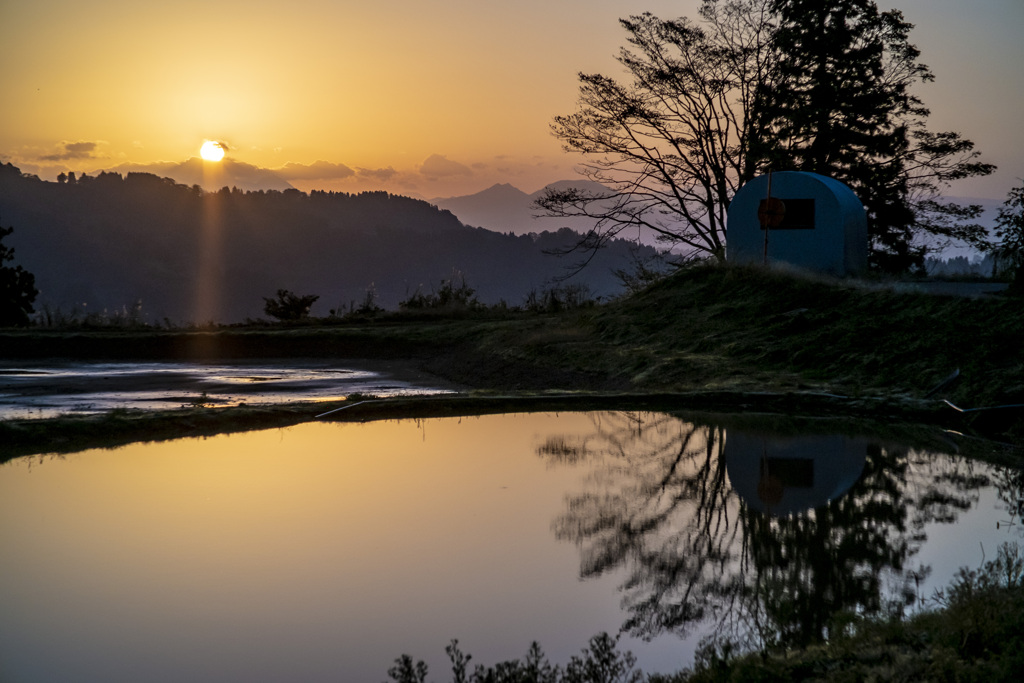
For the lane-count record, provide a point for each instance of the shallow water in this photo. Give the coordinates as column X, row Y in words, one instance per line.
column 48, row 389
column 323, row 551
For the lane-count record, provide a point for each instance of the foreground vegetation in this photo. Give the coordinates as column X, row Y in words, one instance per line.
column 972, row 631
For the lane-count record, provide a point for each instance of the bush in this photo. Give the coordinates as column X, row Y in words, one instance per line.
column 368, row 308
column 288, row 306
column 600, row 662
column 983, row 607
column 1009, row 252
column 975, row 633
column 450, row 296
column 17, row 288
column 555, row 299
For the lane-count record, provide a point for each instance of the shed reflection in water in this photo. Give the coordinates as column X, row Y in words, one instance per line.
column 322, row 552
column 770, row 539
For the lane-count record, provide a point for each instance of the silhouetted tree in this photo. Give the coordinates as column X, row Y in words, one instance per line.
column 288, row 306
column 671, row 145
column 663, row 511
column 811, row 566
column 758, row 85
column 1010, row 231
column 843, row 106
column 17, row 287
column 664, row 508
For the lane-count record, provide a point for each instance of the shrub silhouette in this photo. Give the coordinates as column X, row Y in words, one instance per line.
column 289, row 306
column 450, row 296
column 1009, row 252
column 600, row 662
column 17, row 288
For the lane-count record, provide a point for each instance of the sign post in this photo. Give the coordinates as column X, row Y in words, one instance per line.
column 770, row 214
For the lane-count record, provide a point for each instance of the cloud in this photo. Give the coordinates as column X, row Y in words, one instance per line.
column 320, row 170
column 438, row 166
column 74, row 150
column 378, row 174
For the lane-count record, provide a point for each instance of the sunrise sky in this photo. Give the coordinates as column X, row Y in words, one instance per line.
column 418, row 97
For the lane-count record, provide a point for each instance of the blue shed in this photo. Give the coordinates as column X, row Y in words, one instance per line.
column 823, row 226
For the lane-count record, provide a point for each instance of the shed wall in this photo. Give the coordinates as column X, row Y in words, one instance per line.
column 837, row 244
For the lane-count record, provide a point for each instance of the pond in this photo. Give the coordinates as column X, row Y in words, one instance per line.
column 322, row 552
column 44, row 389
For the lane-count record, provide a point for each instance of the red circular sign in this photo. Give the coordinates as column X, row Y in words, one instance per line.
column 771, row 212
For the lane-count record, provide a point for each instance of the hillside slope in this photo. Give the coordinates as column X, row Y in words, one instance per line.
column 108, row 241
column 724, row 328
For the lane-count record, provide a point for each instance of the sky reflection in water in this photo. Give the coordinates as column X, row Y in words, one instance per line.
column 321, row 552
column 43, row 390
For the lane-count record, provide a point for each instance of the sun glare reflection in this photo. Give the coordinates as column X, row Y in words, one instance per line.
column 338, row 526
column 208, row 278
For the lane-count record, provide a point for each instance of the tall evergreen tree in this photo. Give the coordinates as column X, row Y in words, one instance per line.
column 843, row 106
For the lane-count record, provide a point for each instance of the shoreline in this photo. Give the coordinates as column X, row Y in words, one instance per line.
column 923, row 423
column 710, row 337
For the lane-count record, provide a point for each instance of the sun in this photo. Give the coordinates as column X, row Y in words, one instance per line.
column 213, row 150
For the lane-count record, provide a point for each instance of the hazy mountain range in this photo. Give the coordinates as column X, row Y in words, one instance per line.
column 505, row 208
column 108, row 241
column 501, row 207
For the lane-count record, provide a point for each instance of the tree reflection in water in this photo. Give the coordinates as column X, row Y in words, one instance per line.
column 772, row 540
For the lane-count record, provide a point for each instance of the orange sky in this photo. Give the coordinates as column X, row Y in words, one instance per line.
column 417, row 97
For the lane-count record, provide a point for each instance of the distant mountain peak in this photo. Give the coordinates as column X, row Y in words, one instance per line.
column 496, row 192
column 504, row 207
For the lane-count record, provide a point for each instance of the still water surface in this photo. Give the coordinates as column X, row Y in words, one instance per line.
column 323, row 551
column 45, row 389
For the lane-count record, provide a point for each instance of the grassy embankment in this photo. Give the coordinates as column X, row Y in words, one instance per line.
column 712, row 337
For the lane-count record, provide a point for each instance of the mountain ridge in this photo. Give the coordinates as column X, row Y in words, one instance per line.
column 208, row 175
column 108, row 241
